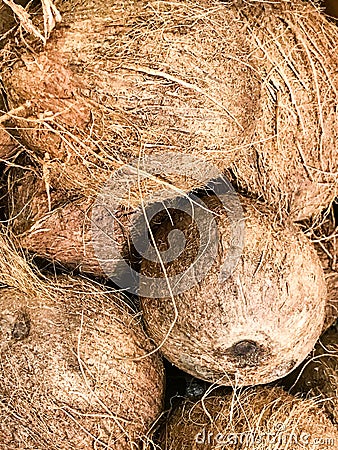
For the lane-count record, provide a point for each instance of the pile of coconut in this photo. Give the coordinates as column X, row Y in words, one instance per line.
column 168, row 240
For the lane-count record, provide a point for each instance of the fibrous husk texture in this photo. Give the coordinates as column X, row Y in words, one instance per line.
column 124, row 79
column 74, row 368
column 317, row 378
column 7, row 144
column 292, row 163
column 48, row 223
column 245, row 323
column 323, row 233
column 254, row 419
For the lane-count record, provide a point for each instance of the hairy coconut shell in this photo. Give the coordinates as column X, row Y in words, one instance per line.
column 332, row 301
column 331, row 278
column 317, row 377
column 247, row 324
column 120, row 80
column 259, row 419
column 292, row 163
column 63, row 236
column 7, row 144
column 47, row 222
column 323, row 233
column 70, row 377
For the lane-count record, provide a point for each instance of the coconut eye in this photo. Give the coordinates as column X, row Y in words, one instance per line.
column 245, row 348
column 246, row 353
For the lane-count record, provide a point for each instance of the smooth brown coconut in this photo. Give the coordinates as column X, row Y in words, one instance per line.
column 292, row 162
column 243, row 322
column 317, row 377
column 255, row 419
column 77, row 370
column 121, row 80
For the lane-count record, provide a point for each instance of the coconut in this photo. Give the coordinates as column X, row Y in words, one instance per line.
column 260, row 419
column 317, row 377
column 292, row 163
column 48, row 223
column 77, row 370
column 226, row 311
column 120, row 80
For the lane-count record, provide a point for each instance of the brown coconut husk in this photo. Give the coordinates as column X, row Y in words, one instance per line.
column 49, row 223
column 253, row 325
column 292, row 163
column 317, row 378
column 74, row 366
column 255, row 419
column 331, row 278
column 117, row 81
column 7, row 144
column 324, row 235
